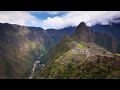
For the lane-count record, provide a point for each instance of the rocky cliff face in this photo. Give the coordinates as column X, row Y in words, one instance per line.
column 103, row 39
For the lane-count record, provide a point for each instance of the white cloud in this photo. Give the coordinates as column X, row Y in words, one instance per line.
column 18, row 17
column 57, row 22
column 73, row 18
column 53, row 12
column 69, row 18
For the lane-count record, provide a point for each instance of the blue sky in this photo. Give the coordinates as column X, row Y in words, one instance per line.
column 44, row 15
column 58, row 19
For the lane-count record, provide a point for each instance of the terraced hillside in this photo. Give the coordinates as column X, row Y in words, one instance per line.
column 80, row 63
column 79, row 57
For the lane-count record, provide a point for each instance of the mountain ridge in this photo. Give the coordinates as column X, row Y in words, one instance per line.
column 103, row 39
column 20, row 46
column 78, row 58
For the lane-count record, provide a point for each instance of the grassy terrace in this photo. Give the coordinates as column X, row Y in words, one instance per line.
column 117, row 54
column 82, row 45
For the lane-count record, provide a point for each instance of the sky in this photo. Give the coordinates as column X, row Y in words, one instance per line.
column 58, row 19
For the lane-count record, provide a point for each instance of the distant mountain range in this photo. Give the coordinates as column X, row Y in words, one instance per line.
column 20, row 46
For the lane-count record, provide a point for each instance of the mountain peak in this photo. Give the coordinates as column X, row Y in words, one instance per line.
column 83, row 33
column 82, row 24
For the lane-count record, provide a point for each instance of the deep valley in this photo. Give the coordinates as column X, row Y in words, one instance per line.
column 80, row 52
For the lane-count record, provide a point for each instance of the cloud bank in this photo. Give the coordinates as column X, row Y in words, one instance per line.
column 69, row 18
column 73, row 18
column 18, row 17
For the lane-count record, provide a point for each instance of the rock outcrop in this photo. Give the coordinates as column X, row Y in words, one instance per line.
column 84, row 33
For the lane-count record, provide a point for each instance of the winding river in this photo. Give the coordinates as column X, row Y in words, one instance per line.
column 35, row 65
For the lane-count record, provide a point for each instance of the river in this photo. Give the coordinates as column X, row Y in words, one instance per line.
column 37, row 62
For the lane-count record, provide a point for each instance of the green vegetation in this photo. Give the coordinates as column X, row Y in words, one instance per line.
column 117, row 54
column 78, row 68
column 66, row 63
column 32, row 44
column 57, row 51
column 17, row 53
column 18, row 50
column 82, row 45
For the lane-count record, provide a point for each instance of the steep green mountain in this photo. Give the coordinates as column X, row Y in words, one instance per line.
column 78, row 57
column 81, row 61
column 20, row 47
column 15, row 59
column 102, row 39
